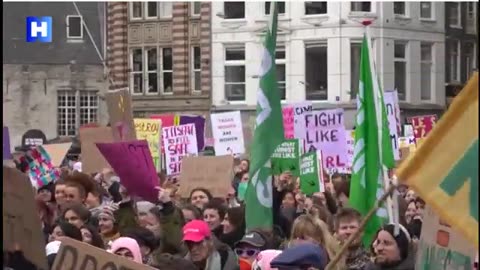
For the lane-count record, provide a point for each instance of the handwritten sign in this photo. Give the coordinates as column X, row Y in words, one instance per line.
column 78, row 255
column 311, row 173
column 228, row 133
column 92, row 159
column 350, row 152
column 179, row 141
column 150, row 130
column 133, row 163
column 292, row 115
column 7, row 154
column 288, row 122
column 21, row 223
column 119, row 105
column 422, row 125
column 286, row 158
column 392, row 110
column 325, row 131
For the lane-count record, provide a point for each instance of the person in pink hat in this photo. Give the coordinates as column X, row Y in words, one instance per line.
column 204, row 250
column 127, row 247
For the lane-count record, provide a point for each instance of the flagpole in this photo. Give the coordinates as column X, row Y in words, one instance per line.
column 379, row 118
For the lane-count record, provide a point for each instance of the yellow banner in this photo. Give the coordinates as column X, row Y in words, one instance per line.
column 444, row 168
column 150, row 130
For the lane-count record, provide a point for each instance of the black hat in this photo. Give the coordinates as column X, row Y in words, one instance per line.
column 254, row 239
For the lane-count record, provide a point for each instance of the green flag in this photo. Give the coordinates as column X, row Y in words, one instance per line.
column 373, row 148
column 268, row 135
column 287, row 158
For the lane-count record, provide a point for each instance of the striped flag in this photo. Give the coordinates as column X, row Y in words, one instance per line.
column 373, row 149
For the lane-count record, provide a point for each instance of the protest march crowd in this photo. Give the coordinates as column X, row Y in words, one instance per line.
column 281, row 207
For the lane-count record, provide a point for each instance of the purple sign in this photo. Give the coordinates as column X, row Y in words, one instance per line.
column 132, row 162
column 325, row 131
column 199, row 122
column 6, row 144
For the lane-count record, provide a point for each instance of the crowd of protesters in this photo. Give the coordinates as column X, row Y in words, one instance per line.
column 208, row 233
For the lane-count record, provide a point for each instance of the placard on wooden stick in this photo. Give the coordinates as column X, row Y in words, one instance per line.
column 119, row 105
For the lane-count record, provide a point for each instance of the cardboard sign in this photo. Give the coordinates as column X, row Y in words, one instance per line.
column 179, row 141
column 391, row 104
column 325, row 131
column 21, row 224
column 422, row 125
column 287, row 158
column 133, row 163
column 441, row 247
column 38, row 165
column 311, row 173
column 212, row 173
column 57, row 152
column 228, row 133
column 92, row 160
column 150, row 130
column 76, row 255
column 7, row 154
column 119, row 105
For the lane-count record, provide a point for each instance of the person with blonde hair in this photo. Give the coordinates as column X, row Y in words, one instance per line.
column 308, row 228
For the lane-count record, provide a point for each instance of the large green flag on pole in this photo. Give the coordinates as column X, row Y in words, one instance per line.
column 373, row 149
column 267, row 136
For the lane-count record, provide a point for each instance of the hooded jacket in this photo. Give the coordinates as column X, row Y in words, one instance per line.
column 131, row 245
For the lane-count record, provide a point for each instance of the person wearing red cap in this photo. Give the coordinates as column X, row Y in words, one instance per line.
column 204, row 250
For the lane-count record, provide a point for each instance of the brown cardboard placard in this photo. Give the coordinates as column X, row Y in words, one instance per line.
column 81, row 256
column 92, row 160
column 441, row 247
column 21, row 223
column 212, row 173
column 57, row 152
column 119, row 105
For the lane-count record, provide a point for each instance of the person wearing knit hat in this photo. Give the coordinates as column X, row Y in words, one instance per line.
column 107, row 223
column 143, row 210
column 392, row 250
column 127, row 247
column 264, row 258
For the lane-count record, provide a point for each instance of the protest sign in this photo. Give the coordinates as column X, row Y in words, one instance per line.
column 292, row 118
column 179, row 141
column 199, row 122
column 228, row 133
column 92, row 160
column 287, row 158
column 133, row 163
column 350, row 151
column 149, row 130
column 288, row 122
column 213, row 173
column 7, row 154
column 57, row 152
column 167, row 120
column 325, row 131
column 422, row 125
column 408, row 131
column 441, row 247
column 38, row 165
column 76, row 255
column 311, row 173
column 21, row 223
column 392, row 110
column 407, row 142
column 119, row 105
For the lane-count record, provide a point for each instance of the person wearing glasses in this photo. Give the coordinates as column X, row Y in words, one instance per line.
column 249, row 247
column 206, row 252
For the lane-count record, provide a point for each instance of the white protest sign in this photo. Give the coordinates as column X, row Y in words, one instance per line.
column 325, row 131
column 179, row 141
column 391, row 104
column 228, row 133
column 350, row 148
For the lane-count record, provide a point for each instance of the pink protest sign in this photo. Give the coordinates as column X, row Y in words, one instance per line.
column 132, row 162
column 325, row 131
column 422, row 125
column 288, row 122
column 179, row 141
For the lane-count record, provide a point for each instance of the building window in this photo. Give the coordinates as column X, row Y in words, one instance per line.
column 315, row 8
column 196, row 68
column 454, row 15
column 454, row 55
column 400, row 69
column 151, row 10
column 426, row 10
column 75, row 108
column 280, row 62
column 355, row 53
column 471, row 22
column 469, row 59
column 149, row 70
column 426, row 62
column 234, row 10
column 280, row 7
column 399, row 8
column 195, row 8
column 136, row 10
column 316, row 71
column 165, row 9
column 361, row 6
column 235, row 73
column 74, row 27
